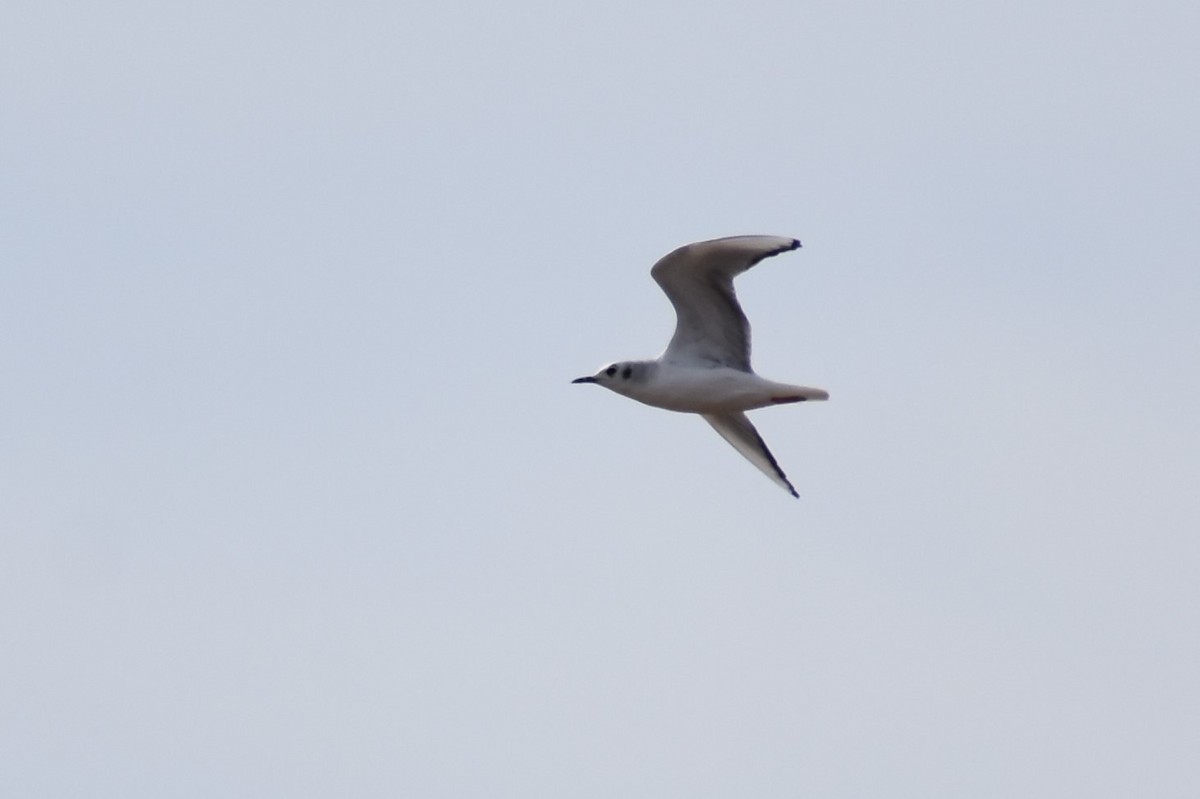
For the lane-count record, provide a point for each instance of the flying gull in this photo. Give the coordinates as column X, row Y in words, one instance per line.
column 706, row 366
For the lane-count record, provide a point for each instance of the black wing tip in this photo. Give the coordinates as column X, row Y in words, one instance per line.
column 762, row 445
column 793, row 245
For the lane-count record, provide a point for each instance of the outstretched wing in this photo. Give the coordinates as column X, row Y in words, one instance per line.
column 710, row 327
column 737, row 430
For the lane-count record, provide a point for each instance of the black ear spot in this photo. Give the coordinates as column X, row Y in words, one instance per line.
column 626, row 372
column 610, row 371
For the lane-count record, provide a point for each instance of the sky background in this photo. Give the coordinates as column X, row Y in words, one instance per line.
column 296, row 498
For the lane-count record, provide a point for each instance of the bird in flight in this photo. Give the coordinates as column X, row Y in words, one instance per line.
column 706, row 366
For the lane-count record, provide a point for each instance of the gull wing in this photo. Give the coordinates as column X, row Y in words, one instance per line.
column 737, row 430
column 710, row 328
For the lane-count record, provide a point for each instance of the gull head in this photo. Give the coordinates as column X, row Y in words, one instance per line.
column 618, row 377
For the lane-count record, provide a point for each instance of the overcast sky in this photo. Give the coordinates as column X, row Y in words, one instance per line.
column 296, row 498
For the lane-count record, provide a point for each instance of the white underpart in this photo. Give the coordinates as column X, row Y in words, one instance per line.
column 712, row 389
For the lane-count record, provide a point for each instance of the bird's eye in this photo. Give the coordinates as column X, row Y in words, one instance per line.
column 610, row 371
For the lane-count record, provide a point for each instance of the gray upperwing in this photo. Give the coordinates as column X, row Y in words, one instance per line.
column 710, row 327
column 737, row 430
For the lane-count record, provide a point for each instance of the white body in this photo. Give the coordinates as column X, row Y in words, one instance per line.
column 709, row 389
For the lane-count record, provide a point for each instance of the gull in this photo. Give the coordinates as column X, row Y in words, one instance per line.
column 706, row 367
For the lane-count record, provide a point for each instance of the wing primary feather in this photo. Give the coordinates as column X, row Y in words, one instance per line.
column 742, row 435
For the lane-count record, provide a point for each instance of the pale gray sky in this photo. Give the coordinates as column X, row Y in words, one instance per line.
column 296, row 499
